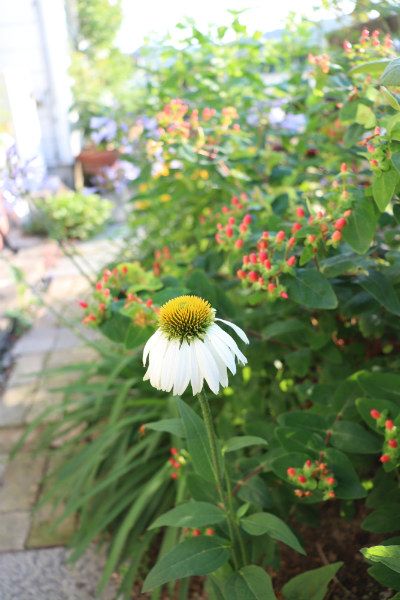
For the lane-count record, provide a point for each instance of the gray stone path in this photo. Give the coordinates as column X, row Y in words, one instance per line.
column 33, row 563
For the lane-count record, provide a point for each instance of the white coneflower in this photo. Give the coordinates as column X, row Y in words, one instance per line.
column 189, row 347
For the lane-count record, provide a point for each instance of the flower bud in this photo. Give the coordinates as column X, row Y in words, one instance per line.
column 300, row 212
column 210, row 531
column 231, row 220
column 247, row 219
column 253, row 276
column 291, row 472
column 385, row 458
column 340, row 223
column 302, row 479
column 271, row 287
column 280, row 236
column 393, row 443
column 239, row 244
column 336, row 236
column 389, row 424
column 262, row 256
column 253, row 258
column 291, row 261
column 375, row 414
column 83, row 304
column 241, row 274
column 267, row 263
column 284, row 295
column 343, row 168
column 296, row 227
column 246, row 259
column 229, row 231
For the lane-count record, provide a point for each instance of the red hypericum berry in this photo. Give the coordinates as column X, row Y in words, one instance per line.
column 102, row 307
column 340, row 223
column 271, row 287
column 393, row 443
column 311, row 238
column 291, row 242
column 149, row 303
column 262, row 256
column 267, row 263
column 246, row 259
column 284, row 295
column 253, row 258
column 99, row 285
column 291, row 261
column 330, row 480
column 173, row 451
column 331, row 494
column 336, row 236
column 253, row 276
column 220, row 226
column 375, row 414
column 124, row 270
column 218, row 238
column 262, row 245
column 225, row 209
column 241, row 274
column 239, row 244
column 347, row 213
column 296, row 227
column 243, row 228
column 300, row 212
column 234, row 200
column 247, row 219
column 389, row 424
column 83, row 304
column 291, row 472
column 385, row 458
column 374, row 163
column 302, row 479
column 261, row 281
column 196, row 532
column 229, row 231
column 377, row 131
column 265, row 235
column 347, row 46
column 280, row 236
column 210, row 531
column 343, row 168
column 308, row 463
column 174, row 475
column 231, row 220
column 370, row 148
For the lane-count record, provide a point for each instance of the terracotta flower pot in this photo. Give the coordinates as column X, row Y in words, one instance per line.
column 94, row 159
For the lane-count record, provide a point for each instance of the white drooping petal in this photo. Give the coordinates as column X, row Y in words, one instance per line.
column 156, row 361
column 207, row 365
column 182, row 376
column 196, row 378
column 229, row 341
column 169, row 365
column 236, row 329
column 221, row 366
column 150, row 344
column 223, row 351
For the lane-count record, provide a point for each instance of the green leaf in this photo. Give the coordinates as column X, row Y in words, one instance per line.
column 379, row 385
column 311, row 585
column 349, row 486
column 310, row 288
column 396, row 161
column 383, row 187
column 390, row 99
column 385, row 519
column 391, row 75
column 361, row 225
column 381, row 288
column 365, row 116
column 197, row 441
column 249, row 583
column 386, row 577
column 374, row 68
column 387, row 555
column 365, row 405
column 190, row 514
column 197, row 556
column 352, row 437
column 261, row 523
column 172, row 426
column 243, row 441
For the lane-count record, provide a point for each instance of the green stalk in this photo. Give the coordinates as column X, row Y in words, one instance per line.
column 216, row 466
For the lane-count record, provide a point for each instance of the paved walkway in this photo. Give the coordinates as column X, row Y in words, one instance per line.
column 33, row 558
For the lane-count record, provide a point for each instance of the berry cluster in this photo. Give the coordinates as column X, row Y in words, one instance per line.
column 377, row 150
column 369, row 43
column 276, row 251
column 322, row 62
column 391, row 450
column 232, row 233
column 313, row 479
column 196, row 532
column 176, row 461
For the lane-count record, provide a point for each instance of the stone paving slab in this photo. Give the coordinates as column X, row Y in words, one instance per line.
column 37, row 339
column 14, row 529
column 27, row 369
column 45, row 575
column 20, row 482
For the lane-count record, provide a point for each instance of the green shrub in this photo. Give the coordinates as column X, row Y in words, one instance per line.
column 70, row 215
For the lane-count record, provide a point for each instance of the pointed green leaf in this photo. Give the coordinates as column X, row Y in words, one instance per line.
column 250, row 583
column 243, row 441
column 311, row 585
column 197, row 441
column 381, row 288
column 387, row 555
column 391, row 75
column 383, row 187
column 190, row 514
column 261, row 523
column 197, row 556
column 172, row 426
column 361, row 225
column 352, row 437
column 310, row 288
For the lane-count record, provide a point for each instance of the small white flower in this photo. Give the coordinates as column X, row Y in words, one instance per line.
column 189, row 347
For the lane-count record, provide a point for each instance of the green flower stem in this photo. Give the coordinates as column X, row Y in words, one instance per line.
column 218, row 476
column 235, row 524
